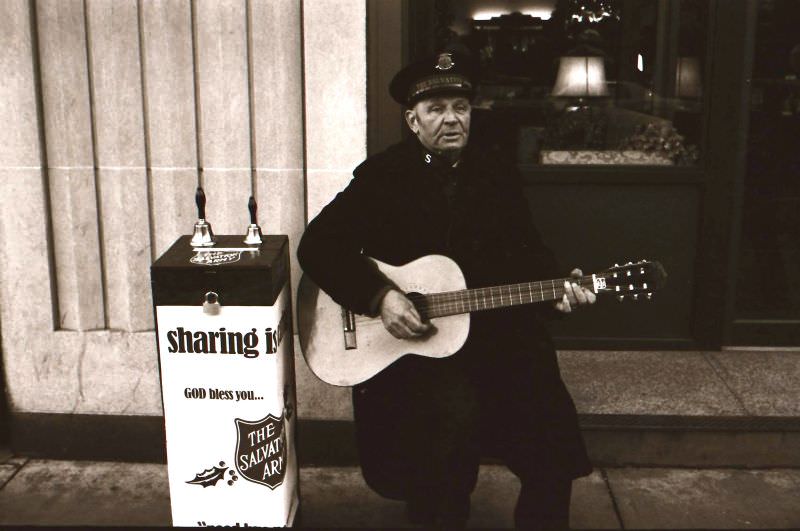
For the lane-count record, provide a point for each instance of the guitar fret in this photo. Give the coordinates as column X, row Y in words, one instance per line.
column 490, row 297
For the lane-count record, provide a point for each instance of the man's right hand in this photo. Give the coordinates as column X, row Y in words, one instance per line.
column 400, row 317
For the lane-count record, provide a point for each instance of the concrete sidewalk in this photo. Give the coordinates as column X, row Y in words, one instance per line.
column 49, row 492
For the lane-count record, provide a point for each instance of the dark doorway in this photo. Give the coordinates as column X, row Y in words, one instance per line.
column 767, row 300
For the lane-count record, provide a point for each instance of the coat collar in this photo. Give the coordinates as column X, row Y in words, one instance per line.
column 437, row 162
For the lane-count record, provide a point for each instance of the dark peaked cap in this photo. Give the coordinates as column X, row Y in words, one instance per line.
column 446, row 72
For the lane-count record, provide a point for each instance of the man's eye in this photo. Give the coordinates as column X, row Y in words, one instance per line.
column 435, row 109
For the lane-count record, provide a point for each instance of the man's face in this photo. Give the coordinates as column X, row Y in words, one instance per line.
column 441, row 123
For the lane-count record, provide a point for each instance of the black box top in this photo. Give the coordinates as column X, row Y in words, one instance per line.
column 239, row 276
column 228, row 253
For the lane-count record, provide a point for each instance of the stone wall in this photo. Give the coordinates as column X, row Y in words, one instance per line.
column 112, row 112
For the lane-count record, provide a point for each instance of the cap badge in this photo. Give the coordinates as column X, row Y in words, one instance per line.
column 445, row 61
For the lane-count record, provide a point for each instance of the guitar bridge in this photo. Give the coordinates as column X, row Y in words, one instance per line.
column 349, row 329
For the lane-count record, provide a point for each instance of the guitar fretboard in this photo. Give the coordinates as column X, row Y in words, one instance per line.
column 472, row 300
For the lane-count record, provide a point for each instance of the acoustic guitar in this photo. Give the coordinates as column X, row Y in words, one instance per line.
column 344, row 349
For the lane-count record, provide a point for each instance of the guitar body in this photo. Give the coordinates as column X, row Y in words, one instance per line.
column 321, row 325
column 345, row 349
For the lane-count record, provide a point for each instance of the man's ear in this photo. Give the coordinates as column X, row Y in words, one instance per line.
column 411, row 120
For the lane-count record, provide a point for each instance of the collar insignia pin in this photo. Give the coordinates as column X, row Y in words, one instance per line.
column 445, row 61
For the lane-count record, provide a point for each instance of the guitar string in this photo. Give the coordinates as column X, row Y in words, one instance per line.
column 584, row 281
column 503, row 292
column 434, row 305
column 462, row 301
column 472, row 300
column 448, row 303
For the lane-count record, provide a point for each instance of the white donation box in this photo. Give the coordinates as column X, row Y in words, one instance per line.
column 224, row 332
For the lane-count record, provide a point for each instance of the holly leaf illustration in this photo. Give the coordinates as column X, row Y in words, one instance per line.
column 209, row 476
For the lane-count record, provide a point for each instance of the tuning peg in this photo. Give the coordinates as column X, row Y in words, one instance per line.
column 620, row 298
column 649, row 296
column 616, row 265
column 629, row 272
column 636, row 296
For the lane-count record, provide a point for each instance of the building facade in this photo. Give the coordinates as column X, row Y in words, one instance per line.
column 115, row 110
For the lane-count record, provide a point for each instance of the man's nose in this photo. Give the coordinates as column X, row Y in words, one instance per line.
column 449, row 115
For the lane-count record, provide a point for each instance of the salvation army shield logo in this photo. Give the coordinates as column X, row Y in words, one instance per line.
column 445, row 61
column 261, row 450
column 214, row 258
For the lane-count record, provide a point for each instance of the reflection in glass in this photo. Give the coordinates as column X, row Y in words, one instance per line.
column 581, row 76
column 768, row 285
column 584, row 81
column 687, row 76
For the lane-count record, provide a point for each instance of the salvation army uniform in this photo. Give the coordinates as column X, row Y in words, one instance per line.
column 422, row 424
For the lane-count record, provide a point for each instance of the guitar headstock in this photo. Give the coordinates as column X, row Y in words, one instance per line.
column 631, row 281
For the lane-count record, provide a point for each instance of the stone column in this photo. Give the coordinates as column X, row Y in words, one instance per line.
column 336, row 138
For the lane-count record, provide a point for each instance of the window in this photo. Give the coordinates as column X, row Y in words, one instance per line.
column 580, row 81
column 768, row 286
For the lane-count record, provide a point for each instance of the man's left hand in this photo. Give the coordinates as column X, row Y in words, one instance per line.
column 575, row 295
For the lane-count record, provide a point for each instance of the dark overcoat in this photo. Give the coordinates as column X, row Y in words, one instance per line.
column 424, row 423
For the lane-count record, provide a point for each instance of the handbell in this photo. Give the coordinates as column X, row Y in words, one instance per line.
column 203, row 235
column 253, row 236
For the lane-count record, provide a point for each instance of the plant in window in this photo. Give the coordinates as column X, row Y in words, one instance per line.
column 663, row 139
column 576, row 129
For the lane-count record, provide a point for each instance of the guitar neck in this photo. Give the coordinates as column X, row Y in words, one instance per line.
column 472, row 300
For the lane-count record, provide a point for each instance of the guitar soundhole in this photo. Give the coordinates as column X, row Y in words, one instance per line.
column 421, row 303
column 417, row 299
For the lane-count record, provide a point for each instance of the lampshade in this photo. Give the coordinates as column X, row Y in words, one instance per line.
column 687, row 78
column 580, row 76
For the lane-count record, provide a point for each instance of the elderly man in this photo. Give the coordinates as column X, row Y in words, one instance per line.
column 423, row 424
